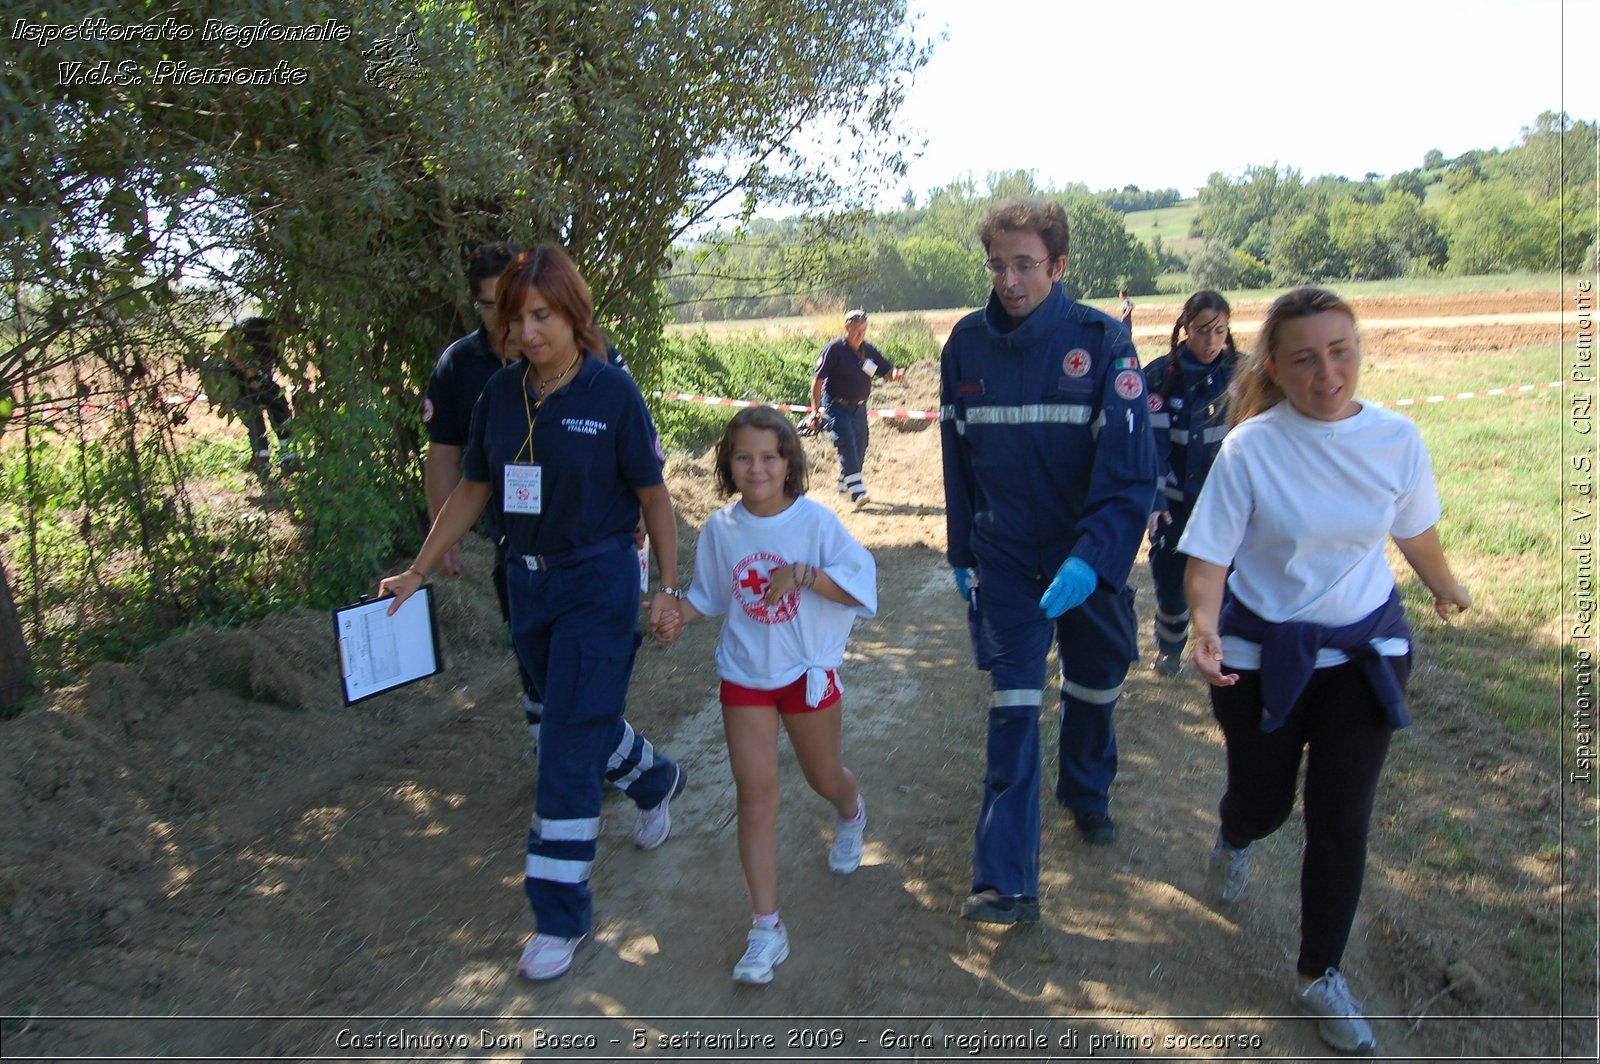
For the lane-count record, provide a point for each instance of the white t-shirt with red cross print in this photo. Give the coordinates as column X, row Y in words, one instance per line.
column 803, row 634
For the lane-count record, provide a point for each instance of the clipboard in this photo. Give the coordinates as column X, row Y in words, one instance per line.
column 379, row 653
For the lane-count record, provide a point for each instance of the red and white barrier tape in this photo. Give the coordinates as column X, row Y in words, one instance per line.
column 908, row 415
column 1473, row 395
column 933, row 415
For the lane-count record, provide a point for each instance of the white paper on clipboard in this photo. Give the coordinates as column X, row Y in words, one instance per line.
column 378, row 652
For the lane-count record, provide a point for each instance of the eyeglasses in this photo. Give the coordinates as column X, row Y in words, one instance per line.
column 1023, row 268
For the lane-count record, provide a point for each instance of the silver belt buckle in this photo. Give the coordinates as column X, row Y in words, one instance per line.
column 535, row 563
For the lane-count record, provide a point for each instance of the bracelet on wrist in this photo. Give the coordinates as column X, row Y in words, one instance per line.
column 413, row 569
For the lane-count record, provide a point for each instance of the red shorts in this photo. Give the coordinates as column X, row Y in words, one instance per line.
column 790, row 699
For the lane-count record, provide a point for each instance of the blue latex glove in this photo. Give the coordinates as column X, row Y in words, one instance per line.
column 1073, row 582
column 963, row 582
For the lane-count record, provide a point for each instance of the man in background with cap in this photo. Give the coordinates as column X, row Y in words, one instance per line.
column 844, row 376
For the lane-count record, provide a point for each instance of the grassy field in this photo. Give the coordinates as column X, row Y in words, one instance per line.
column 1498, row 465
column 1394, row 288
column 1171, row 224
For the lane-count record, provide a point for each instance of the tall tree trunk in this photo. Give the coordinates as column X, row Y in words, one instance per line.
column 16, row 674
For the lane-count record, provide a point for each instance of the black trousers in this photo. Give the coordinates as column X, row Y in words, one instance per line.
column 1344, row 733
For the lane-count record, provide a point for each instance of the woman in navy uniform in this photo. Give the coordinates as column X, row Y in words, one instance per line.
column 1188, row 389
column 562, row 447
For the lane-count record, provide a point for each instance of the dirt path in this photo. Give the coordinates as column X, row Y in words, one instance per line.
column 207, row 857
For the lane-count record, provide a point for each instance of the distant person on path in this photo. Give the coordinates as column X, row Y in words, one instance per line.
column 1310, row 653
column 1188, row 389
column 245, row 388
column 563, row 452
column 844, row 376
column 1049, row 469
column 1126, row 310
column 792, row 581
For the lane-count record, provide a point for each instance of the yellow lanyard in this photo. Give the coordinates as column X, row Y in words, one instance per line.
column 532, row 412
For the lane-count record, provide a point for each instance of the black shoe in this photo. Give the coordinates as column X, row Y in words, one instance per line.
column 992, row 907
column 1096, row 828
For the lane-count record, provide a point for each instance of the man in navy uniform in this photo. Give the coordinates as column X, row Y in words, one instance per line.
column 844, row 373
column 1049, row 469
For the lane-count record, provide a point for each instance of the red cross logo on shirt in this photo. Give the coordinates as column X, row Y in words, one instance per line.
column 755, row 582
column 1076, row 364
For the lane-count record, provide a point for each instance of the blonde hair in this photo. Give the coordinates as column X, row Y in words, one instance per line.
column 1253, row 389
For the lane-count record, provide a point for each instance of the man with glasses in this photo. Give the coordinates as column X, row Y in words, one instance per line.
column 844, row 373
column 1049, row 470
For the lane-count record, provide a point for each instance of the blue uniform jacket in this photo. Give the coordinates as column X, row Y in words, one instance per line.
column 594, row 441
column 1189, row 413
column 453, row 389
column 1046, row 439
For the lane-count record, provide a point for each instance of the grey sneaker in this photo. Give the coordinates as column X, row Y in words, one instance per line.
column 1229, row 871
column 1338, row 1014
column 845, row 856
column 1167, row 663
column 993, row 907
column 765, row 951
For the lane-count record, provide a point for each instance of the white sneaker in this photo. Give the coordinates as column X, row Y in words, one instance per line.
column 1229, row 871
column 655, row 824
column 547, row 956
column 845, row 856
column 1338, row 1014
column 766, row 950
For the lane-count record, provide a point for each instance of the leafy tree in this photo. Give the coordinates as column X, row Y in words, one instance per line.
column 1305, row 253
column 1492, row 226
column 1218, row 266
column 1408, row 182
column 1103, row 257
column 343, row 206
column 1433, row 159
column 1556, row 155
column 943, row 273
column 1247, row 213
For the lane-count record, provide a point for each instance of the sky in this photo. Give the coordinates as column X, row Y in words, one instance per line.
column 1161, row 93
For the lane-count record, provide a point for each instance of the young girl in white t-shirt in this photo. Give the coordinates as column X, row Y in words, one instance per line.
column 792, row 581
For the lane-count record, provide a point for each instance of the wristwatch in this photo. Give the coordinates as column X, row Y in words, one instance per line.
column 675, row 592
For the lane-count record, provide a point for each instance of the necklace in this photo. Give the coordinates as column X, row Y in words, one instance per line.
column 547, row 382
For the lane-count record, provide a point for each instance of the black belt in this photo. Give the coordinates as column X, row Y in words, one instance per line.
column 537, row 563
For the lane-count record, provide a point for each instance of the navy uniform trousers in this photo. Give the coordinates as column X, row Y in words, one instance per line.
column 576, row 632
column 1096, row 642
column 847, row 425
column 1166, row 573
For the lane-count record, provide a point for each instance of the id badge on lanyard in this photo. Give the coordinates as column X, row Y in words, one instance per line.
column 523, row 485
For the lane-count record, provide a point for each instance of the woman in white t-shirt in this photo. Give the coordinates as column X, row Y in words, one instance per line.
column 792, row 581
column 1308, row 651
